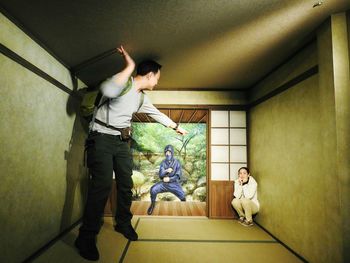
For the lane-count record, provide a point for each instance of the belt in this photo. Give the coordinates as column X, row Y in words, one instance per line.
column 96, row 133
column 107, row 125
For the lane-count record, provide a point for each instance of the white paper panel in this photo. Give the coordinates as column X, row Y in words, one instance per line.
column 219, row 153
column 219, row 119
column 219, row 136
column 237, row 119
column 219, row 172
column 238, row 136
column 238, row 154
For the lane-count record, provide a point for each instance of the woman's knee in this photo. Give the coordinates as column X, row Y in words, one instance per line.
column 236, row 202
column 245, row 201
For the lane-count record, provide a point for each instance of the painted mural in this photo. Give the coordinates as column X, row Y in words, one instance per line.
column 190, row 150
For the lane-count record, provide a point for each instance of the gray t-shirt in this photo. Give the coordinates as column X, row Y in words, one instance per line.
column 122, row 108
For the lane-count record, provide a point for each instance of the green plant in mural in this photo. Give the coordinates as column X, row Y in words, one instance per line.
column 138, row 179
column 190, row 150
column 185, row 141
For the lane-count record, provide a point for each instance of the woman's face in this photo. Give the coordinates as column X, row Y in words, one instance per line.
column 243, row 175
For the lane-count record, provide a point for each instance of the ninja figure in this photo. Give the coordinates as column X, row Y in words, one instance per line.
column 170, row 173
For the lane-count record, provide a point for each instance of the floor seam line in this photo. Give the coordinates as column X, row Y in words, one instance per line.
column 128, row 244
column 208, row 241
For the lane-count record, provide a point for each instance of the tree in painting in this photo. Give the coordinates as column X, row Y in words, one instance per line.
column 191, row 150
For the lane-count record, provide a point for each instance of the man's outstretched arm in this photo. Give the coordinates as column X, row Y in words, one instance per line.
column 153, row 112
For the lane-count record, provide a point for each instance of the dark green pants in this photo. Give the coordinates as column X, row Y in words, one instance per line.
column 105, row 154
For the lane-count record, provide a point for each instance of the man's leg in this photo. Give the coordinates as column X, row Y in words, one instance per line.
column 155, row 190
column 100, row 164
column 123, row 170
column 176, row 189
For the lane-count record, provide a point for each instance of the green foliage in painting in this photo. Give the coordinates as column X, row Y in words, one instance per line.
column 149, row 142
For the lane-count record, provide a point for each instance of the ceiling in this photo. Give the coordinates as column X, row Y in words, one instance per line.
column 202, row 44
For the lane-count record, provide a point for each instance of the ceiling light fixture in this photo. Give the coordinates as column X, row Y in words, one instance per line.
column 317, row 4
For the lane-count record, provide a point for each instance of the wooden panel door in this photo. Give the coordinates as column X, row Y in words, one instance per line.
column 221, row 195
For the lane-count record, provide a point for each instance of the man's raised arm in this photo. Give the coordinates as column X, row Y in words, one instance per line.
column 113, row 86
column 125, row 74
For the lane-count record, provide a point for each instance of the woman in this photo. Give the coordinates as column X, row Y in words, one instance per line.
column 245, row 200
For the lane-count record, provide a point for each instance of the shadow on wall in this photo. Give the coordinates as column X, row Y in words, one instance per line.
column 76, row 174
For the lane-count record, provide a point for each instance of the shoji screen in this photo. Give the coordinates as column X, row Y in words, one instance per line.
column 228, row 144
column 228, row 152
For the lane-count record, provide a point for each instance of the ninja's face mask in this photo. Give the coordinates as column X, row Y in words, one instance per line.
column 168, row 155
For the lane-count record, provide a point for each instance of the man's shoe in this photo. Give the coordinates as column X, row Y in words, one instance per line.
column 87, row 248
column 128, row 231
column 150, row 208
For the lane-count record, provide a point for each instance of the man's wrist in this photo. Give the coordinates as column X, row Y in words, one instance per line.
column 176, row 126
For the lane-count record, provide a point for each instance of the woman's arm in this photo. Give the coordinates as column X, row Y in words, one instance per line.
column 238, row 189
column 249, row 189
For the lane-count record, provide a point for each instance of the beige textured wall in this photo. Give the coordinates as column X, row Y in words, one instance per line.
column 41, row 151
column 286, row 158
column 298, row 144
column 341, row 74
column 159, row 97
column 347, row 213
column 12, row 37
column 302, row 61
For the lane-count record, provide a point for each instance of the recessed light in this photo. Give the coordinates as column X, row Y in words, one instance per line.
column 317, row 4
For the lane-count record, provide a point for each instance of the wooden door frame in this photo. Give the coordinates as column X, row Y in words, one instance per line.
column 110, row 205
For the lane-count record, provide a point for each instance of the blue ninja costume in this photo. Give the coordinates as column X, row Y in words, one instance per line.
column 173, row 186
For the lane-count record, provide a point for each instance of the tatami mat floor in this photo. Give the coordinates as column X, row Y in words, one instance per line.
column 177, row 239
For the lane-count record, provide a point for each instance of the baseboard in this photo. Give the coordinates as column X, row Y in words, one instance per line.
column 50, row 243
column 283, row 244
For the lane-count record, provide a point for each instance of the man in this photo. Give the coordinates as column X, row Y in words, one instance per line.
column 108, row 149
column 245, row 194
column 170, row 173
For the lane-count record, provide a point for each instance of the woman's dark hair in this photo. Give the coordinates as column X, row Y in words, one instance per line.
column 147, row 66
column 245, row 168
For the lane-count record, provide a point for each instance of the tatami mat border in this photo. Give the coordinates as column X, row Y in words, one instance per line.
column 128, row 244
column 125, row 251
column 206, row 241
column 174, row 217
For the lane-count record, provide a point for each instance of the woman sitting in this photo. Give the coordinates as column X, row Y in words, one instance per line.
column 245, row 200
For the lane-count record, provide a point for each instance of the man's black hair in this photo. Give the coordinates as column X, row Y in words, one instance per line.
column 147, row 66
